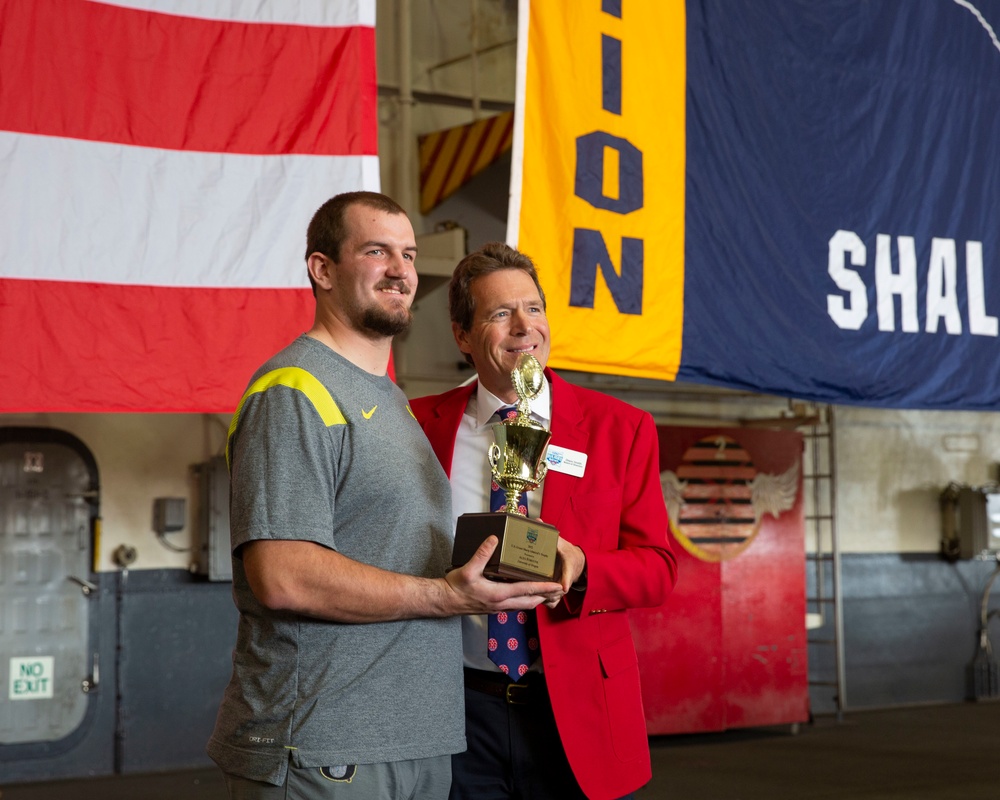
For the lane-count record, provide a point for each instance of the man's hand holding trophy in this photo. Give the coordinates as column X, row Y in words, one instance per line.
column 527, row 547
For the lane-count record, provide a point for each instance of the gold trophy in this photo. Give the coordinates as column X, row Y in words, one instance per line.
column 527, row 548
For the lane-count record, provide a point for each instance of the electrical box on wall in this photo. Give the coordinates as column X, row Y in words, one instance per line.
column 971, row 521
column 169, row 514
column 211, row 535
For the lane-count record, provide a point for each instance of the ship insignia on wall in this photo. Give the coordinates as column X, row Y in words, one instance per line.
column 717, row 498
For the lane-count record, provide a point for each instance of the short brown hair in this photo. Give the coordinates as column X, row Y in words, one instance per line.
column 327, row 229
column 491, row 257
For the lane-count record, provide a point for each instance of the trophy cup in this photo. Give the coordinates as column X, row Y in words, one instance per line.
column 527, row 548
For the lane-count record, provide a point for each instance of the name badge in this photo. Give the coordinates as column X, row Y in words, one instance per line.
column 562, row 459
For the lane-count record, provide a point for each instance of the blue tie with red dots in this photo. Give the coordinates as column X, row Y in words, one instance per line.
column 513, row 636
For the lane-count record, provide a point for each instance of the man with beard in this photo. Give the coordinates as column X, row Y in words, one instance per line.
column 347, row 671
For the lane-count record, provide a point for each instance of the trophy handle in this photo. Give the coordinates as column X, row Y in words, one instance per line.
column 494, row 456
column 541, row 472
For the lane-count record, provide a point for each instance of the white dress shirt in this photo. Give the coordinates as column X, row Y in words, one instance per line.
column 470, row 490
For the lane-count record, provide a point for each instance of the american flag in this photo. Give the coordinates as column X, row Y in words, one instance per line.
column 159, row 163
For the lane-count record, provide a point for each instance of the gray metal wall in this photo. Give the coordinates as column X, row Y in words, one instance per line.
column 165, row 640
column 911, row 624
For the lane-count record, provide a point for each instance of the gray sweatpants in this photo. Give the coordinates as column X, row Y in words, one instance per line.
column 421, row 779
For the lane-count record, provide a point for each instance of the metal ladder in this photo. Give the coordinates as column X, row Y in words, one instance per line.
column 824, row 602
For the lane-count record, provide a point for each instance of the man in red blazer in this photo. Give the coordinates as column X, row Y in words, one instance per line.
column 573, row 725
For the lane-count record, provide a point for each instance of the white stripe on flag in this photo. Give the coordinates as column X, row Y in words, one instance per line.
column 141, row 216
column 291, row 12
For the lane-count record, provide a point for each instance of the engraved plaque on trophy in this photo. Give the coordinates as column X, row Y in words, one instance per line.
column 527, row 548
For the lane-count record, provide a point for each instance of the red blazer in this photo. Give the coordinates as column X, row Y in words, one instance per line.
column 616, row 514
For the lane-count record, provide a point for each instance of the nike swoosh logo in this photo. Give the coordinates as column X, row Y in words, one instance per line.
column 368, row 414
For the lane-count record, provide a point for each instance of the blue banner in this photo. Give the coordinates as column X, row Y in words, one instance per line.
column 841, row 200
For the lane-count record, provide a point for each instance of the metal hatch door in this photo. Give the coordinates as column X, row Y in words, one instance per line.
column 48, row 507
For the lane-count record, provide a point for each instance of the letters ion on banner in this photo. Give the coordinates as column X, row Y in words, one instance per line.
column 598, row 184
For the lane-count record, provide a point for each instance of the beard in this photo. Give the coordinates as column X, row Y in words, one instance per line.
column 386, row 322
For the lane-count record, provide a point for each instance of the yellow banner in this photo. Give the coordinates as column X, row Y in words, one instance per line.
column 601, row 186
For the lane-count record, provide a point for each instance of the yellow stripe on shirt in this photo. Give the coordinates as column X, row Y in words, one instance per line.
column 300, row 380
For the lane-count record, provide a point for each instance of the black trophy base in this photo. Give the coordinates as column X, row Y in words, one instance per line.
column 527, row 549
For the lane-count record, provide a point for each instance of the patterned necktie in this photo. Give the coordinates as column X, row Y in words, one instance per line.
column 513, row 637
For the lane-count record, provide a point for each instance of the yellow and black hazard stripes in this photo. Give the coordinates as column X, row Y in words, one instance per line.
column 450, row 158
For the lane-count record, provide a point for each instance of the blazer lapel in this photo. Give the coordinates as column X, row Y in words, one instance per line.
column 441, row 427
column 569, row 431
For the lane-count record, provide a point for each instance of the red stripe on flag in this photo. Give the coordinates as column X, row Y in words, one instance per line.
column 107, row 347
column 105, row 73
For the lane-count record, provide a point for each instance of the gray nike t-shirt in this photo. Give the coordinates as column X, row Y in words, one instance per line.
column 323, row 451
